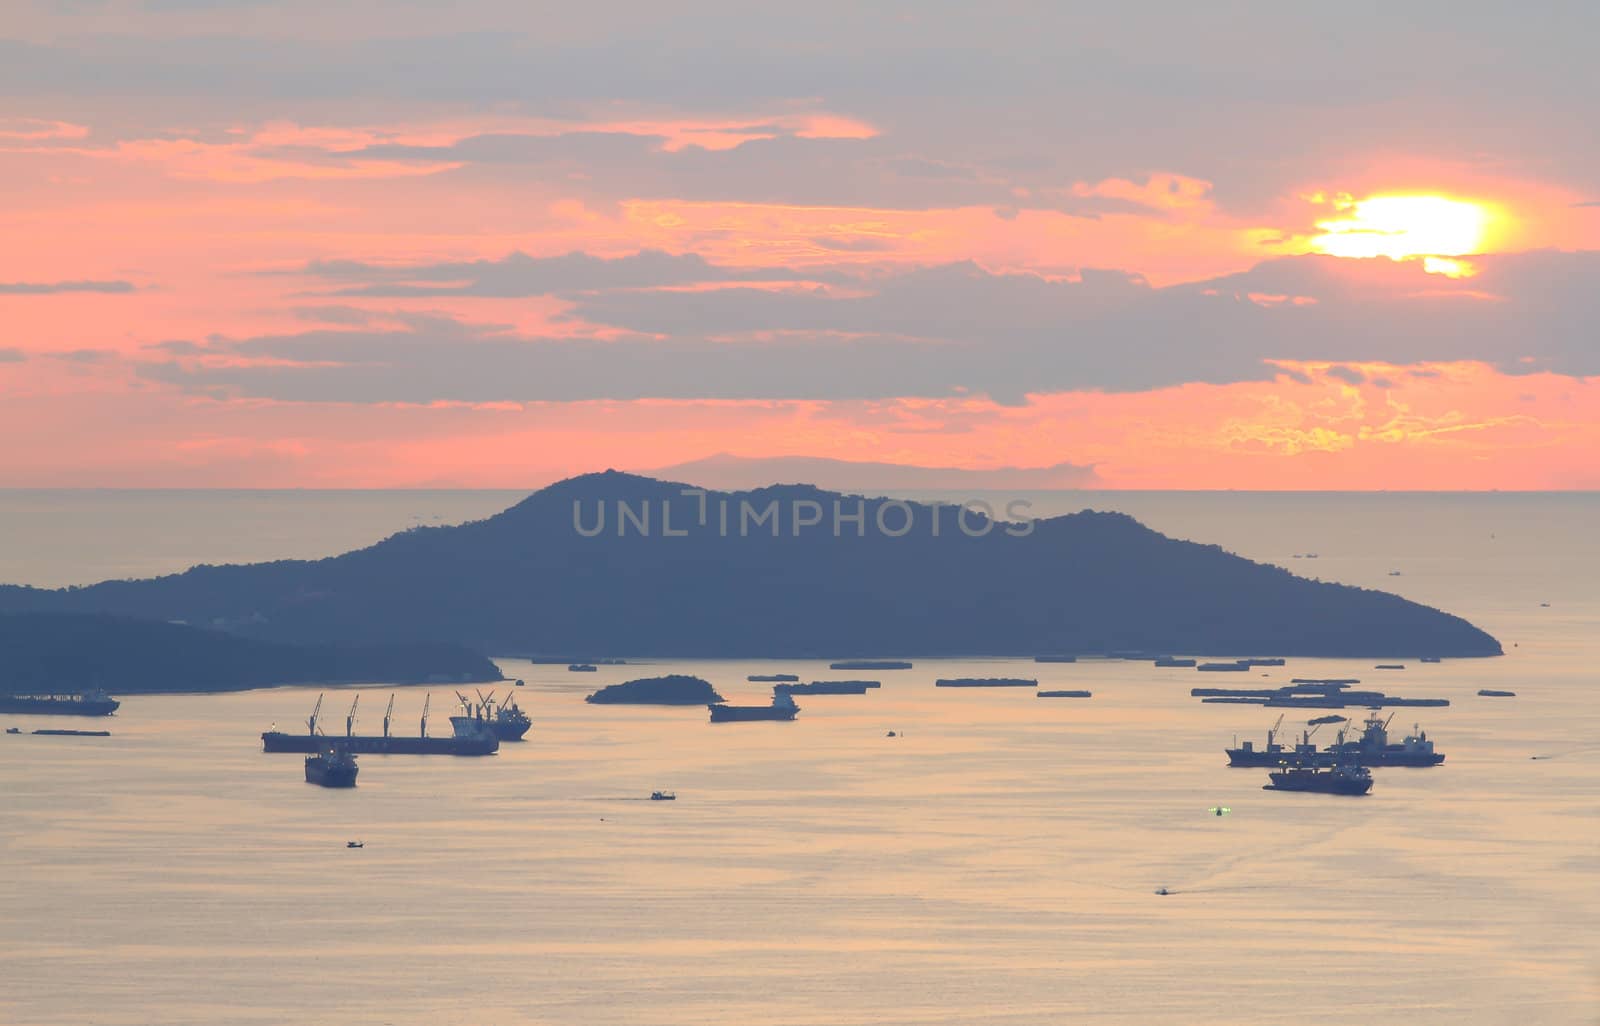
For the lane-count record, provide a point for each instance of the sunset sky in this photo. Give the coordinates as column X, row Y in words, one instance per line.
column 274, row 243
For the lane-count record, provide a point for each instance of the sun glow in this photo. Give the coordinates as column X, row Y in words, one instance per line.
column 1406, row 227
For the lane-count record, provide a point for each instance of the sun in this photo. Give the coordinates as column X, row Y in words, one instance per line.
column 1434, row 228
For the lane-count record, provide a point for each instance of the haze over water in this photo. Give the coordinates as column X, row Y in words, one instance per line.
column 996, row 863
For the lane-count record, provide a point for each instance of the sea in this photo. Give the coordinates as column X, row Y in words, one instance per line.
column 914, row 855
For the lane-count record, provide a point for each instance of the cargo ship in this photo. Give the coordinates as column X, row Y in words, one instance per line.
column 1304, row 693
column 1372, row 749
column 870, row 664
column 332, row 767
column 85, row 703
column 471, row 734
column 782, row 708
column 508, row 720
column 986, row 682
column 1343, row 779
column 829, row 687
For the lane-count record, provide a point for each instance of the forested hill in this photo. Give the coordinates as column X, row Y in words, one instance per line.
column 76, row 652
column 619, row 564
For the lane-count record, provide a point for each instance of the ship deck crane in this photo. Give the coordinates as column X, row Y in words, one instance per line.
column 423, row 731
column 387, row 713
column 350, row 718
column 311, row 721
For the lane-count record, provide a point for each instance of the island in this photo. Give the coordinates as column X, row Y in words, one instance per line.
column 620, row 563
column 672, row 689
column 62, row 652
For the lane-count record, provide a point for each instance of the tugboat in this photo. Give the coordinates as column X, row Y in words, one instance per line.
column 335, row 767
column 1342, row 779
column 663, row 796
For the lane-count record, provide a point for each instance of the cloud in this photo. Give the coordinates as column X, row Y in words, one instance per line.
column 1254, row 104
column 936, row 332
column 1349, row 375
column 84, row 355
column 735, row 472
column 521, row 275
column 51, row 288
column 862, row 172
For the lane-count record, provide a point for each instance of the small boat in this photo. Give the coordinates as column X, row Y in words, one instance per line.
column 73, row 733
column 355, row 844
column 1492, row 693
column 519, row 684
column 1428, row 659
column 663, row 796
column 581, row 668
column 1162, row 891
column 1390, row 666
column 334, row 766
column 1063, row 694
column 13, row 730
column 1394, row 573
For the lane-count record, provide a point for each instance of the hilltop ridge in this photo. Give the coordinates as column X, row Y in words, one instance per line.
column 622, row 564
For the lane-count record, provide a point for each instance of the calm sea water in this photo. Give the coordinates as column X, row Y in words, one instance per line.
column 995, row 863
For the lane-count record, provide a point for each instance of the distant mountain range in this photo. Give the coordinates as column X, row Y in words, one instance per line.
column 750, row 574
column 869, row 478
column 74, row 652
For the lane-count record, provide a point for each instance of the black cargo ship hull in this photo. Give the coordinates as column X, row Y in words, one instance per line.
column 1318, row 783
column 44, row 705
column 323, row 774
column 743, row 713
column 511, row 731
column 277, row 741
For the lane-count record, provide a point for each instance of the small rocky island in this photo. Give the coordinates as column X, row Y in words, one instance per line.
column 673, row 689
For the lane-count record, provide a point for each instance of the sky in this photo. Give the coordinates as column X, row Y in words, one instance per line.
column 386, row 243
